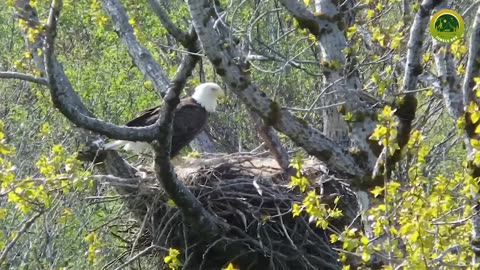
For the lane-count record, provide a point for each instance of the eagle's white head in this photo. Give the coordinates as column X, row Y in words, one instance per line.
column 206, row 94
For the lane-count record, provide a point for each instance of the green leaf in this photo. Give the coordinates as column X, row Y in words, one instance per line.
column 370, row 13
column 296, row 210
column 475, row 116
column 366, row 256
column 377, row 191
column 337, row 199
column 91, row 237
column 3, row 213
column 364, row 240
column 171, row 203
column 333, row 238
column 475, row 143
column 414, row 236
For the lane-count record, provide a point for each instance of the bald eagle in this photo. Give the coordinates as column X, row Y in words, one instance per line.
column 190, row 119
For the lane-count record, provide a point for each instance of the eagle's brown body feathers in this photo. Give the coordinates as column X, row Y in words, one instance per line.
column 189, row 120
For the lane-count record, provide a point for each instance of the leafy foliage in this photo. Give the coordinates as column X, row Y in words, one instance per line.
column 172, row 259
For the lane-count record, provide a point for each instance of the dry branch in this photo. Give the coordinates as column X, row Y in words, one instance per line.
column 140, row 55
column 272, row 141
column 172, row 29
column 23, row 77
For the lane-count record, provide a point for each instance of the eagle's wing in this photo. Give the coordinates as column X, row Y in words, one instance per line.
column 190, row 120
column 145, row 118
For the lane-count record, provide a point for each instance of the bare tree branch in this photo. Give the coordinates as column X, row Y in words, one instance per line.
column 472, row 69
column 450, row 85
column 140, row 55
column 305, row 18
column 272, row 141
column 203, row 141
column 23, row 77
column 415, row 43
column 183, row 198
column 470, row 9
column 405, row 10
column 452, row 249
column 172, row 29
column 449, row 81
column 270, row 137
column 140, row 254
column 144, row 61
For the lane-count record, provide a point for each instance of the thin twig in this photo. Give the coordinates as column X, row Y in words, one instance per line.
column 22, row 230
column 143, row 252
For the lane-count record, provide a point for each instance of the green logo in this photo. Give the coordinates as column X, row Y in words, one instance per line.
column 446, row 26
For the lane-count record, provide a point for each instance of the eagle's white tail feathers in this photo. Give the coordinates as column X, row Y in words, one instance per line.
column 114, row 145
column 136, row 147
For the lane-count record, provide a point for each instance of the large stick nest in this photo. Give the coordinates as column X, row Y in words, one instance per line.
column 251, row 195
